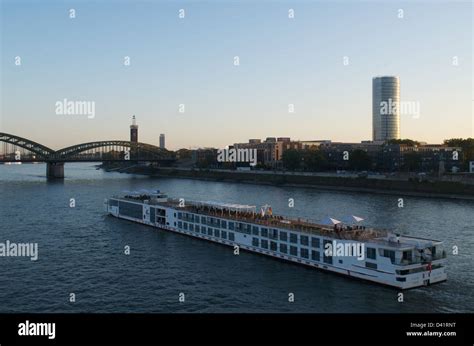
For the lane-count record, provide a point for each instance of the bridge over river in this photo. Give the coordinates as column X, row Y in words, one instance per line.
column 17, row 149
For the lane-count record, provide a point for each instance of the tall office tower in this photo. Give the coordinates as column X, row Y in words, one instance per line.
column 134, row 131
column 385, row 108
column 162, row 141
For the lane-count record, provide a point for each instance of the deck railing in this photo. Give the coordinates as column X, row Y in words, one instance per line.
column 299, row 224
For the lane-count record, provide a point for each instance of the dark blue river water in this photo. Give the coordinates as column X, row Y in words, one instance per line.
column 81, row 250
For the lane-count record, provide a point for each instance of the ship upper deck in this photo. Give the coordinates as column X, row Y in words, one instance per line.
column 248, row 214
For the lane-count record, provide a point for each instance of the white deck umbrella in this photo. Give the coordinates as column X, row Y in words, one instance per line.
column 330, row 221
column 353, row 219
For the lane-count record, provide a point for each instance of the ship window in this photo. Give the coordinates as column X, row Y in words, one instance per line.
column 326, row 259
column 273, row 246
column 304, row 240
column 131, row 209
column 273, row 234
column 293, row 238
column 407, row 255
column 293, row 250
column 217, row 233
column 224, row 224
column 209, row 231
column 390, row 254
column 264, row 244
column 315, row 255
column 224, row 234
column 196, row 228
column 231, row 236
column 340, row 262
column 371, row 265
column 191, row 227
column 401, row 279
column 174, row 214
column 180, row 224
column 255, row 230
column 283, row 248
column 185, row 225
column 180, row 216
column 264, row 232
column 315, row 242
column 304, row 253
column 255, row 241
column 283, row 236
column 203, row 230
column 231, row 226
column 371, row 253
column 247, row 228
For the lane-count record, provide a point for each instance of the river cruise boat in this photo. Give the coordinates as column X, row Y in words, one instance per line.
column 402, row 262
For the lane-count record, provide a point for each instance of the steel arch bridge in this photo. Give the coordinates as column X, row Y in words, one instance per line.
column 42, row 151
column 19, row 149
column 115, row 150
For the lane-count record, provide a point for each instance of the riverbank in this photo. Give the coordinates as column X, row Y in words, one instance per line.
column 438, row 189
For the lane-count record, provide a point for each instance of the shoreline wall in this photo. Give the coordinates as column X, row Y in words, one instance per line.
column 446, row 189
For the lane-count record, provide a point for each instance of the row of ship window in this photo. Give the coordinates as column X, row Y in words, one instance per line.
column 134, row 210
column 256, row 242
column 240, row 227
column 271, row 234
column 206, row 230
column 291, row 250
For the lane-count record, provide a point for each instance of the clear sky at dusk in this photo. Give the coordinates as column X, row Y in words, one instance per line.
column 190, row 61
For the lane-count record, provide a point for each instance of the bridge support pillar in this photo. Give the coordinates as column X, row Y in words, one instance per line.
column 55, row 170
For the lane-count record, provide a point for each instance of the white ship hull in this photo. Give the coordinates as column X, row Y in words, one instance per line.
column 310, row 252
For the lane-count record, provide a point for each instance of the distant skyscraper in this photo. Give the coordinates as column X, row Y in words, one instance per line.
column 162, row 141
column 385, row 108
column 134, row 131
